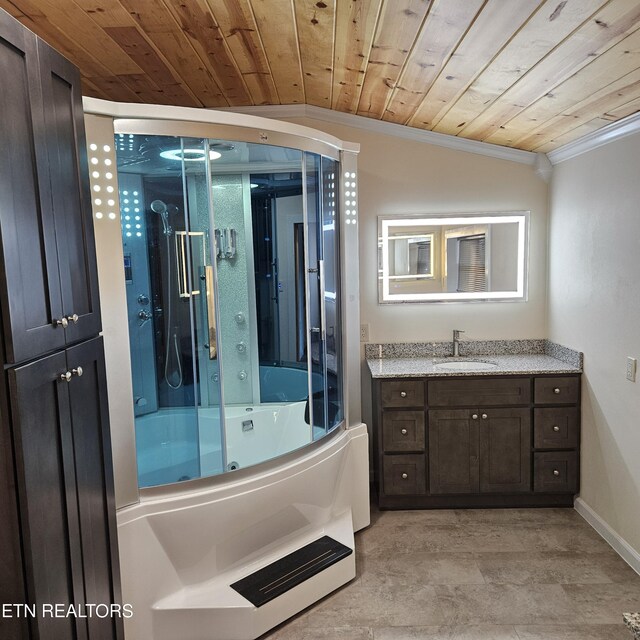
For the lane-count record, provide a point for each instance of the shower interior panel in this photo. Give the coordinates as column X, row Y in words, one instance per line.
column 235, row 349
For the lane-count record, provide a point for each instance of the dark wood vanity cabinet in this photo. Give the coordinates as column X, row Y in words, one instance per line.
column 479, row 450
column 476, row 441
column 57, row 513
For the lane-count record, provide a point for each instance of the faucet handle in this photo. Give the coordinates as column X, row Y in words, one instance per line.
column 456, row 333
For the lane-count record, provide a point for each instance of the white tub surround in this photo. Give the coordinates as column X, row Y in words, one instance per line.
column 180, row 552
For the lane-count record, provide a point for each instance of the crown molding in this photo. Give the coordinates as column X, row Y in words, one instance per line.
column 389, row 129
column 609, row 133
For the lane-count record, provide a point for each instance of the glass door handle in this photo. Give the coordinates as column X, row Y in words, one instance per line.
column 323, row 309
column 211, row 312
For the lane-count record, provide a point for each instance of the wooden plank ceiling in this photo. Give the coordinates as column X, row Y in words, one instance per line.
column 531, row 74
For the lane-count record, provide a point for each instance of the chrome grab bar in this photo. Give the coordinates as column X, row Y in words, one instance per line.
column 181, row 261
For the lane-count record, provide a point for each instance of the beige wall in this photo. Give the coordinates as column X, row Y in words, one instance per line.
column 397, row 176
column 594, row 306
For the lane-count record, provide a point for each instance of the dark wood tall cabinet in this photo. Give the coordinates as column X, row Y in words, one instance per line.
column 57, row 514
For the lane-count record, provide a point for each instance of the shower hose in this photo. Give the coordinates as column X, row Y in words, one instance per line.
column 171, row 342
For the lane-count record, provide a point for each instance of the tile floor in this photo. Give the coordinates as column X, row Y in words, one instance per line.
column 505, row 574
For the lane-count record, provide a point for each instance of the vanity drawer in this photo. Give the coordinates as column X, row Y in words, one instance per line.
column 555, row 428
column 483, row 392
column 402, row 393
column 404, row 475
column 555, row 471
column 556, row 390
column 403, row 431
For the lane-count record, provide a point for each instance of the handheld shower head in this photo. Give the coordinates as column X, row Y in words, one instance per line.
column 159, row 207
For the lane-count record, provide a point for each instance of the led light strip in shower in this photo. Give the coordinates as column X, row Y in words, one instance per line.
column 103, row 182
column 350, row 198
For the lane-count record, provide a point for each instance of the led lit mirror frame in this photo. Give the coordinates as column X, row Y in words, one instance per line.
column 385, row 223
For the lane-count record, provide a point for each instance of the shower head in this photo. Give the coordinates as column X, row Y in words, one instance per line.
column 159, row 207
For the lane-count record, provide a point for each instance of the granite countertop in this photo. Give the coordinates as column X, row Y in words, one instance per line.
column 511, row 357
column 632, row 620
column 527, row 364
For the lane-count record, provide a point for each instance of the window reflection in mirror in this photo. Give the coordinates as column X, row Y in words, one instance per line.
column 434, row 258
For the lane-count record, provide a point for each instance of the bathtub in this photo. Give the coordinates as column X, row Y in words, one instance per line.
column 178, row 444
column 286, row 384
column 183, row 545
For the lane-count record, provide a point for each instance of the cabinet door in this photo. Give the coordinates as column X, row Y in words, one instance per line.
column 11, row 578
column 47, row 493
column 30, row 283
column 453, row 451
column 505, row 450
column 66, row 152
column 94, row 475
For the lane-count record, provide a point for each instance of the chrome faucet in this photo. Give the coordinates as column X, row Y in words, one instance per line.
column 456, row 342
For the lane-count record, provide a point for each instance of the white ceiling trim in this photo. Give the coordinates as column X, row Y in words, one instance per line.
column 389, row 129
column 609, row 133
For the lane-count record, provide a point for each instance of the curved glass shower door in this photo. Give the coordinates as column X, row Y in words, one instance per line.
column 232, row 269
column 164, row 260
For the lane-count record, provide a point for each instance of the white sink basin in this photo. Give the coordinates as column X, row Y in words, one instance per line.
column 465, row 365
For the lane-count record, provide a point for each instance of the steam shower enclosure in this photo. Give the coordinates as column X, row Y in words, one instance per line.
column 229, row 244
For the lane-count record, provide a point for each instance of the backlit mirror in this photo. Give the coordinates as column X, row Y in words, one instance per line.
column 453, row 257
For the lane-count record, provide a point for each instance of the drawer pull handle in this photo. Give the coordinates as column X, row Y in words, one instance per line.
column 73, row 318
column 474, row 416
column 66, row 376
column 403, row 432
column 77, row 372
column 556, row 472
column 403, row 394
column 405, row 476
column 556, row 428
column 484, row 416
column 63, row 322
column 556, row 390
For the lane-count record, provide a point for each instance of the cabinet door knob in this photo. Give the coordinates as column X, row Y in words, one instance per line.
column 474, row 416
column 556, row 472
column 66, row 376
column 403, row 432
column 62, row 322
column 73, row 318
column 484, row 416
column 556, row 427
column 403, row 394
column 405, row 476
column 77, row 372
column 556, row 390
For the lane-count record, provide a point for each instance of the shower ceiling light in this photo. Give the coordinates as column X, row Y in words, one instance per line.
column 188, row 155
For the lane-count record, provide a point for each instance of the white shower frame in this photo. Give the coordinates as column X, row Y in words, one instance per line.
column 324, row 485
